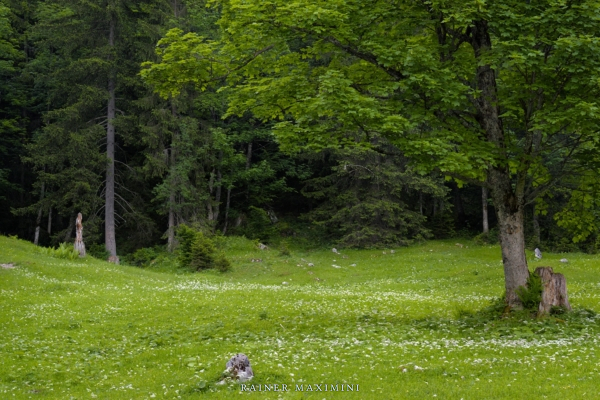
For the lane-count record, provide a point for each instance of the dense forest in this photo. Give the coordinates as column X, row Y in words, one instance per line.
column 284, row 121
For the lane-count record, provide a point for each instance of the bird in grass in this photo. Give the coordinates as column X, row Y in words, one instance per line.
column 538, row 254
column 564, row 260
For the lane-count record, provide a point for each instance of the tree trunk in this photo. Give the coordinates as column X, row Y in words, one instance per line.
column 79, row 245
column 69, row 229
column 50, row 221
column 227, row 209
column 484, row 203
column 172, row 183
column 109, row 206
column 508, row 202
column 536, row 228
column 554, row 290
column 421, row 202
column 171, row 229
column 38, row 220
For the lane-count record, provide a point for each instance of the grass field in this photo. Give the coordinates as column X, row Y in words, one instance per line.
column 414, row 324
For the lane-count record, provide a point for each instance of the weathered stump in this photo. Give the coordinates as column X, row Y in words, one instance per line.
column 79, row 245
column 554, row 290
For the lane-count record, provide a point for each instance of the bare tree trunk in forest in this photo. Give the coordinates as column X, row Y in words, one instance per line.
column 109, row 206
column 536, row 228
column 217, row 199
column 484, row 204
column 70, row 229
column 227, row 209
column 508, row 202
column 421, row 202
column 209, row 204
column 49, row 220
column 38, row 220
column 171, row 228
column 248, row 162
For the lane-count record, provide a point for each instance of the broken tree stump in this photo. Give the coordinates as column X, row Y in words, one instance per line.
column 79, row 245
column 554, row 290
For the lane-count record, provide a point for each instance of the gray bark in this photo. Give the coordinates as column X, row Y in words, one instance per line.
column 484, row 203
column 79, row 244
column 554, row 292
column 109, row 206
column 70, row 229
column 508, row 202
column 536, row 228
column 227, row 209
column 172, row 155
column 38, row 220
column 49, row 220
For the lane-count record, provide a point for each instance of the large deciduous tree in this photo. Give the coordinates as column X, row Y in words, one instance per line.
column 491, row 93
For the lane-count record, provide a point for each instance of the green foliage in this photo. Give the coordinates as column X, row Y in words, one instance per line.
column 365, row 198
column 258, row 225
column 142, row 257
column 492, row 237
column 64, row 250
column 441, row 225
column 98, row 251
column 531, row 295
column 198, row 252
column 284, row 248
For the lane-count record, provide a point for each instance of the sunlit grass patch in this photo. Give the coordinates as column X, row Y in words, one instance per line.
column 419, row 322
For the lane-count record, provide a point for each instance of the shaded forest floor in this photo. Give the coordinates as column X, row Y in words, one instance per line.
column 417, row 323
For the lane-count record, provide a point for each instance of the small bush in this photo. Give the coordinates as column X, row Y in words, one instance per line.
column 198, row 252
column 531, row 295
column 284, row 249
column 492, row 237
column 98, row 251
column 142, row 257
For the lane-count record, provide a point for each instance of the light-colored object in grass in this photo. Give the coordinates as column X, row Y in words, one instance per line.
column 7, row 266
column 335, row 266
column 335, row 250
column 353, row 265
column 554, row 290
column 392, row 251
column 310, row 272
column 311, row 264
column 538, row 253
column 384, row 252
column 285, row 283
column 113, row 259
column 459, row 245
column 256, row 260
column 417, row 368
column 238, row 367
column 263, row 246
column 317, row 279
column 564, row 260
column 344, row 256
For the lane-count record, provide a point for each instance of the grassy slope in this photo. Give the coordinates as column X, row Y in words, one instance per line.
column 87, row 329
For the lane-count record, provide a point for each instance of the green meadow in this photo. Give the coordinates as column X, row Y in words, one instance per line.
column 421, row 322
